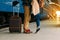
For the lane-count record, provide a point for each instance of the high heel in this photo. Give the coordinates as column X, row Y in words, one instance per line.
column 27, row 31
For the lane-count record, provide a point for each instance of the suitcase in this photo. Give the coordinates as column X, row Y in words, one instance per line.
column 15, row 23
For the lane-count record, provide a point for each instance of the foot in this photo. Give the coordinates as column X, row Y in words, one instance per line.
column 27, row 31
column 37, row 30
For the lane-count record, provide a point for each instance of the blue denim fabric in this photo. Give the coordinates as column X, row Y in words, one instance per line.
column 37, row 19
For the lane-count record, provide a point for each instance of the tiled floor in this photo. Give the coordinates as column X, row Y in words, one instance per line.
column 49, row 31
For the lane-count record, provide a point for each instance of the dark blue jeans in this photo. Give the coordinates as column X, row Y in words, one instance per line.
column 37, row 19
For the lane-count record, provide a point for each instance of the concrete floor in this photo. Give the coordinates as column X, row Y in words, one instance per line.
column 49, row 31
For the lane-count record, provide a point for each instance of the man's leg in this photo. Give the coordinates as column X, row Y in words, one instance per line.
column 37, row 22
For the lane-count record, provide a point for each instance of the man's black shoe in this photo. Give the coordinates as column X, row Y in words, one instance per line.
column 37, row 30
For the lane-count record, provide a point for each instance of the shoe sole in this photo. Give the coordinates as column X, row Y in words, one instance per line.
column 37, row 30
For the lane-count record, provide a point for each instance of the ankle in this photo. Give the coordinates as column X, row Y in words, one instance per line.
column 38, row 27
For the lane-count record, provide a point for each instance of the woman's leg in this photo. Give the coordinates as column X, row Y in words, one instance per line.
column 26, row 16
